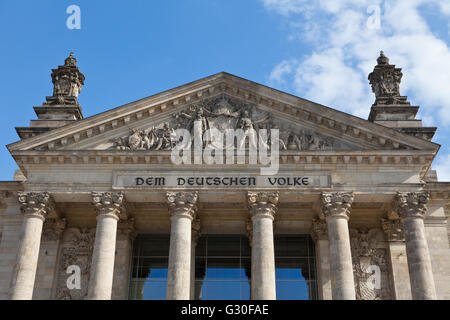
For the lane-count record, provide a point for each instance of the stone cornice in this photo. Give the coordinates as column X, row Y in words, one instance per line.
column 336, row 122
column 411, row 204
column 262, row 204
column 109, row 203
column 182, row 204
column 36, row 204
column 337, row 204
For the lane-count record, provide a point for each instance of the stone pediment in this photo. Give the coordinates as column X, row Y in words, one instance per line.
column 223, row 102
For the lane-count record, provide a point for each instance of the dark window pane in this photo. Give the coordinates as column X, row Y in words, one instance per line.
column 291, row 269
column 223, row 269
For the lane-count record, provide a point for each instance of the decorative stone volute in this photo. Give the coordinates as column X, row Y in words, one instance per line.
column 411, row 205
column 36, row 204
column 385, row 81
column 107, row 203
column 182, row 204
column 393, row 229
column 262, row 203
column 319, row 230
column 337, row 204
column 67, row 83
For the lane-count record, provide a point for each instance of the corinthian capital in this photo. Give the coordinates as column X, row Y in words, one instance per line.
column 107, row 203
column 393, row 230
column 182, row 204
column 53, row 229
column 337, row 204
column 262, row 203
column 36, row 204
column 411, row 205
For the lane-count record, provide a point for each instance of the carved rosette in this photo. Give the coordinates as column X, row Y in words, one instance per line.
column 393, row 229
column 36, row 204
column 319, row 230
column 411, row 205
column 262, row 204
column 107, row 203
column 182, row 204
column 337, row 204
column 53, row 229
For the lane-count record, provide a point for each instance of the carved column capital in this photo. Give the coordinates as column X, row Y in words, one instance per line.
column 182, row 204
column 411, row 204
column 107, row 203
column 337, row 204
column 319, row 230
column 393, row 229
column 262, row 203
column 53, row 229
column 36, row 204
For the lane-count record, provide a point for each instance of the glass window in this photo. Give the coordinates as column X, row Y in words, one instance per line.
column 295, row 271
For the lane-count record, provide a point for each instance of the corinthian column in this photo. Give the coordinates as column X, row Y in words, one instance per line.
column 182, row 210
column 35, row 207
column 336, row 208
column 263, row 207
column 108, row 207
column 411, row 207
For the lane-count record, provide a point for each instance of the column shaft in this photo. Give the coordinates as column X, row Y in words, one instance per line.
column 412, row 208
column 108, row 206
column 35, row 207
column 182, row 209
column 336, row 208
column 27, row 258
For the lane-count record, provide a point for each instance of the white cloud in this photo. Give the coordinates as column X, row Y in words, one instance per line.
column 345, row 51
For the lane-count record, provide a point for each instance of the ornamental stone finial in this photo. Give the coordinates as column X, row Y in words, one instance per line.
column 107, row 203
column 182, row 203
column 319, row 230
column 36, row 204
column 385, row 81
column 393, row 229
column 337, row 204
column 262, row 203
column 67, row 83
column 411, row 205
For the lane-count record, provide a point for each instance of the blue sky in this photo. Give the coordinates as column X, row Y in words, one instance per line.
column 320, row 50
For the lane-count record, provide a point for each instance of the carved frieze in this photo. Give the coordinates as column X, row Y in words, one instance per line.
column 370, row 264
column 222, row 113
column 76, row 250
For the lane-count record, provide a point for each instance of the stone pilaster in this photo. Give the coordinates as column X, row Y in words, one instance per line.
column 196, row 233
column 35, row 208
column 336, row 208
column 182, row 210
column 395, row 236
column 412, row 208
column 109, row 206
column 262, row 208
column 319, row 233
